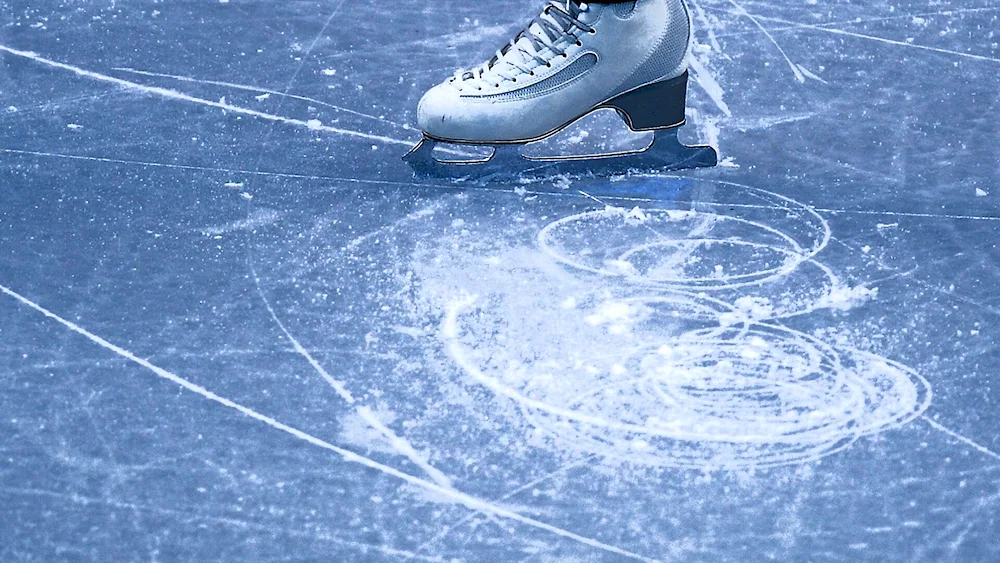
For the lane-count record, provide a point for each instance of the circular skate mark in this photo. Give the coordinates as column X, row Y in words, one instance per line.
column 746, row 396
column 693, row 371
column 761, row 238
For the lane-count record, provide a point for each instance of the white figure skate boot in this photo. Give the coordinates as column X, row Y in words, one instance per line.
column 572, row 59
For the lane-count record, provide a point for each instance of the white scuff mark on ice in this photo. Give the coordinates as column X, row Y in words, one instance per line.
column 845, row 298
column 809, row 74
column 413, row 332
column 981, row 192
column 314, row 124
column 680, row 214
column 708, row 126
column 246, row 195
column 883, row 226
column 636, row 215
column 562, row 181
column 754, row 308
column 262, row 97
column 74, row 126
column 259, row 217
column 612, row 312
column 752, row 124
column 622, row 267
column 858, row 546
column 233, row 185
column 356, row 431
column 708, row 26
column 711, row 87
column 476, row 36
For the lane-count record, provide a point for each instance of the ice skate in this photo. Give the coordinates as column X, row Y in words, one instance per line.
column 573, row 59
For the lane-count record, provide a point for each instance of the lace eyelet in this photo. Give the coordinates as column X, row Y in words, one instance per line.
column 579, row 43
column 548, row 65
column 593, row 31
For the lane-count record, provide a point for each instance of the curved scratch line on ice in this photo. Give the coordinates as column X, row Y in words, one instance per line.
column 451, row 333
column 399, row 444
column 838, row 31
column 795, row 68
column 711, row 86
column 248, row 172
column 941, row 428
column 448, row 529
column 249, row 88
column 706, row 25
column 798, row 254
column 856, row 21
column 463, row 187
column 412, row 216
column 175, row 95
column 464, row 499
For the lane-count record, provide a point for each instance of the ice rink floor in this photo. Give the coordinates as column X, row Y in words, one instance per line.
column 234, row 326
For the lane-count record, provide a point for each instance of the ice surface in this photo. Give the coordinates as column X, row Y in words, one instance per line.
column 233, row 326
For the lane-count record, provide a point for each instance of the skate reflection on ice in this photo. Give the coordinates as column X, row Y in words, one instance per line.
column 664, row 152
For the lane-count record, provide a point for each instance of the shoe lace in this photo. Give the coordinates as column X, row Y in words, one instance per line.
column 528, row 50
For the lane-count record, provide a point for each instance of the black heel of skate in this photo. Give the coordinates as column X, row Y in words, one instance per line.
column 659, row 105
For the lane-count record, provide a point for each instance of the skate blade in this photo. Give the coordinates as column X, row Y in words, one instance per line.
column 664, row 153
